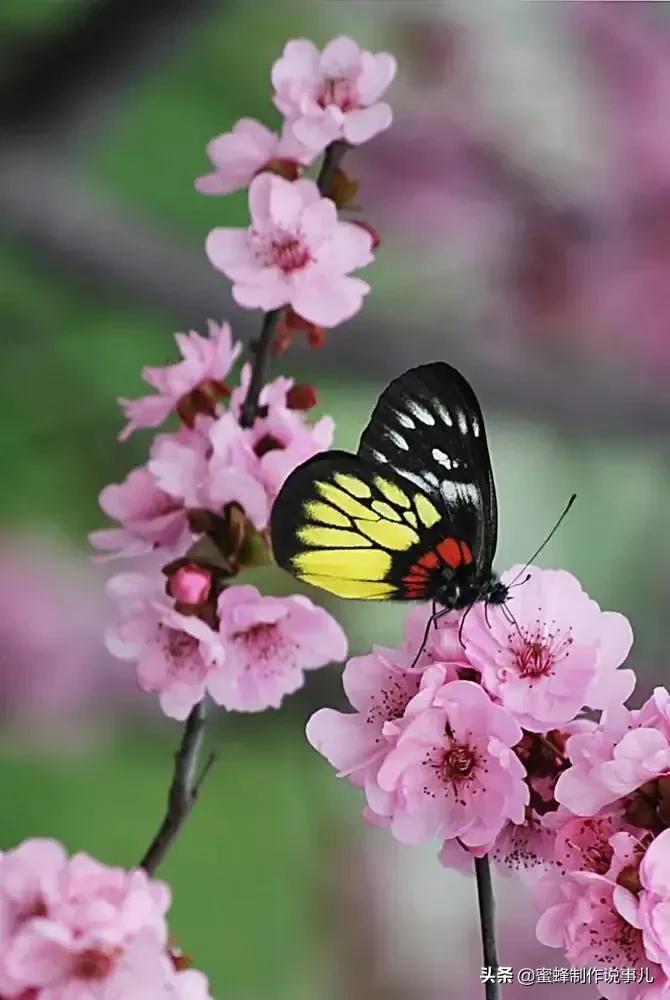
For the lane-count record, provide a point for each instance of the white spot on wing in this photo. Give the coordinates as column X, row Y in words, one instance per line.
column 462, row 423
column 413, row 477
column 378, row 456
column 442, row 458
column 398, row 440
column 475, row 427
column 458, row 491
column 443, row 413
column 405, row 420
column 420, row 412
column 431, row 478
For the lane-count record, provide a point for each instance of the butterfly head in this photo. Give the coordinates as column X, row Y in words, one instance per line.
column 456, row 594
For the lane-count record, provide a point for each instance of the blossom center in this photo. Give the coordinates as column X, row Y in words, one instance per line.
column 180, row 648
column 93, row 964
column 265, row 643
column 537, row 656
column 288, row 251
column 458, row 763
column 337, row 90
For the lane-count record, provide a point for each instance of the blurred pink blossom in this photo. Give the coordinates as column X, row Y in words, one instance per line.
column 206, row 361
column 269, row 642
column 75, row 929
column 560, row 654
column 295, row 253
column 53, row 665
column 250, row 147
column 333, row 94
column 176, row 655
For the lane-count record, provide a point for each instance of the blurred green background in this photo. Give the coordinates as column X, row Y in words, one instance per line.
column 493, row 192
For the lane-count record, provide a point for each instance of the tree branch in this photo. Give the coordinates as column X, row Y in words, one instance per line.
column 486, row 901
column 184, row 789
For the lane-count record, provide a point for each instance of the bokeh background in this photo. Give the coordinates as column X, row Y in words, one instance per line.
column 523, row 198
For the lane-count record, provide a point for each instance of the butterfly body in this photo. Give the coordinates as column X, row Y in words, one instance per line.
column 411, row 516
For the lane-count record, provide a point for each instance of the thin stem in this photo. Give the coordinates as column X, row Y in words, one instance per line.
column 486, row 901
column 184, row 789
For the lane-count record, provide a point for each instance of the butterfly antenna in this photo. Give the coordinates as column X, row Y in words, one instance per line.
column 547, row 539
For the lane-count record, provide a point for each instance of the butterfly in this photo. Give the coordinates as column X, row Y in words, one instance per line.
column 411, row 516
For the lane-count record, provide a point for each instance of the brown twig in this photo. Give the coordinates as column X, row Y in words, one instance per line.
column 184, row 788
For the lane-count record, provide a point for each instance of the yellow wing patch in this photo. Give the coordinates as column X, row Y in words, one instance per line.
column 385, row 510
column 362, row 590
column 352, row 485
column 410, row 517
column 325, row 514
column 426, row 511
column 392, row 536
column 391, row 492
column 331, row 538
column 368, row 564
column 344, row 502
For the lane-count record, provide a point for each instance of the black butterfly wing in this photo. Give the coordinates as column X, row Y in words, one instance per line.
column 359, row 530
column 428, row 428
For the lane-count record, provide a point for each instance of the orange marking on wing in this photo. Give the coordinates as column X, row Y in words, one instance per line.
column 431, row 560
column 466, row 551
column 450, row 551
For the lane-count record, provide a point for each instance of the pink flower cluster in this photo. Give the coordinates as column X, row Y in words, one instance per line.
column 212, row 481
column 483, row 745
column 74, row 929
column 297, row 252
column 463, row 744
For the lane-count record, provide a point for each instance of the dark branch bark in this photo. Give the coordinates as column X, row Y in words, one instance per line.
column 184, row 789
column 486, row 901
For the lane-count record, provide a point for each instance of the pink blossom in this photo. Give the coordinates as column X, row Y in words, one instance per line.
column 628, row 749
column 454, row 771
column 379, row 687
column 333, row 94
column 269, row 643
column 653, row 909
column 150, row 518
column 221, row 462
column 583, row 843
column 561, row 653
column 176, row 655
column 296, row 253
column 580, row 916
column 75, row 929
column 239, row 155
column 205, row 361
